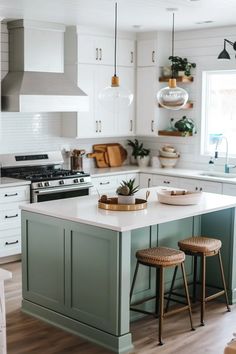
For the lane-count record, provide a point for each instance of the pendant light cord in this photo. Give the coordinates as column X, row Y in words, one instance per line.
column 115, row 49
column 173, row 40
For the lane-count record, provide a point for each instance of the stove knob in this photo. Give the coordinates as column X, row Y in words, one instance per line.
column 81, row 180
column 76, row 180
column 40, row 184
column 61, row 181
column 46, row 184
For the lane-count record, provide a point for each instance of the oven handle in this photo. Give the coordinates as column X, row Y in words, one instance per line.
column 55, row 190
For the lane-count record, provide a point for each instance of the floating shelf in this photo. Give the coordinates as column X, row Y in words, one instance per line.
column 188, row 105
column 174, row 133
column 184, row 79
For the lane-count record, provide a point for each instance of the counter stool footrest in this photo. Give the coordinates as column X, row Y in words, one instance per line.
column 143, row 311
column 180, row 309
column 213, row 296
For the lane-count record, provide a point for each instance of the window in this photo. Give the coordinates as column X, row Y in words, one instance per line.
column 219, row 111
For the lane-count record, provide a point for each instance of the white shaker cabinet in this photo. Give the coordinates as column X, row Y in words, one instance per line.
column 153, row 180
column 125, row 52
column 109, row 184
column 147, row 108
column 200, row 185
column 229, row 189
column 10, row 222
column 147, row 52
column 95, row 50
column 100, row 120
column 4, row 275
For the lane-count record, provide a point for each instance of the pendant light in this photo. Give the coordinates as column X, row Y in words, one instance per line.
column 172, row 97
column 115, row 95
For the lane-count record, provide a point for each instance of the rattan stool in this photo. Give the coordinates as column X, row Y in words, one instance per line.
column 160, row 258
column 199, row 246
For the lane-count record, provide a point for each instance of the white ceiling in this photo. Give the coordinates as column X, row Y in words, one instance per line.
column 149, row 14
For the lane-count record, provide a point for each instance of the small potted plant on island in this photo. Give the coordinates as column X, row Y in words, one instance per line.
column 126, row 192
column 139, row 153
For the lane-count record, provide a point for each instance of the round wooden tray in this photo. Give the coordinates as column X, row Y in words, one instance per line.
column 112, row 204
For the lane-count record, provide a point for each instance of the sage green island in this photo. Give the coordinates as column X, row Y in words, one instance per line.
column 78, row 260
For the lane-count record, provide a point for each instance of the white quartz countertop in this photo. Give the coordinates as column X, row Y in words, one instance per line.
column 12, row 182
column 175, row 172
column 85, row 210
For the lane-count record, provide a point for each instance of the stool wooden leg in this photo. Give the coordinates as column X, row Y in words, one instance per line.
column 187, row 295
column 171, row 289
column 161, row 304
column 203, row 259
column 223, row 280
column 194, row 278
column 134, row 279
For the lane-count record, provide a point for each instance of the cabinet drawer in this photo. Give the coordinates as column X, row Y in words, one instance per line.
column 104, row 183
column 10, row 245
column 166, row 181
column 14, row 194
column 10, row 216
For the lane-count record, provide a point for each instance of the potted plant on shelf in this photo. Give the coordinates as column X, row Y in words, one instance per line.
column 181, row 66
column 185, row 126
column 126, row 192
column 139, row 153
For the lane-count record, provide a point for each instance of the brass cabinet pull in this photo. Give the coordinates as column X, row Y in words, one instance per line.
column 96, row 53
column 153, row 56
column 152, row 126
column 100, row 53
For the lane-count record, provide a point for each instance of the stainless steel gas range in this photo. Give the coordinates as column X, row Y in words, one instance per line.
column 49, row 180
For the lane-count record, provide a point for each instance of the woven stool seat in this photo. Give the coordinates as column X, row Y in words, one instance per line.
column 200, row 244
column 160, row 256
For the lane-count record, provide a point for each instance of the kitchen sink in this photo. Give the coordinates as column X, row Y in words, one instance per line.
column 218, row 174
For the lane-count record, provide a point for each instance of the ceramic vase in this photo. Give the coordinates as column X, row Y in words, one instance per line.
column 126, row 199
column 143, row 161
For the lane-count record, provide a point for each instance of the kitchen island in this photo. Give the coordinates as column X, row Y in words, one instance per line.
column 78, row 260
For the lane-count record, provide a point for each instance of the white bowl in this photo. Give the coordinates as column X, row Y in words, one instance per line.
column 178, row 197
column 168, row 162
column 168, row 148
column 168, row 154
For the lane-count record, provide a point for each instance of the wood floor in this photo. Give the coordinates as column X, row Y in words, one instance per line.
column 27, row 335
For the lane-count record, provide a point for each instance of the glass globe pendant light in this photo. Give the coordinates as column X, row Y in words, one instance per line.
column 172, row 96
column 115, row 96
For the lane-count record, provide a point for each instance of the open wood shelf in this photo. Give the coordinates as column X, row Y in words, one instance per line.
column 188, row 105
column 174, row 133
column 184, row 79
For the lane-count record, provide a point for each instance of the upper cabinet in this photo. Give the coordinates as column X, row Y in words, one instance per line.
column 95, row 50
column 147, row 52
column 90, row 59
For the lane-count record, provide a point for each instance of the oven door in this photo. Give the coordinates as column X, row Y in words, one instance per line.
column 43, row 195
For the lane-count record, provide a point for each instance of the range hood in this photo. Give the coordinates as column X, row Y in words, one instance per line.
column 36, row 81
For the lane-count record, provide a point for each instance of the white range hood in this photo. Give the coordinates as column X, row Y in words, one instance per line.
column 36, row 81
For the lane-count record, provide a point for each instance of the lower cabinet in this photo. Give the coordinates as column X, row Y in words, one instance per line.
column 108, row 184
column 229, row 189
column 199, row 185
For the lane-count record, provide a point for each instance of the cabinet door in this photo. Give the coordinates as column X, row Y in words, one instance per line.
column 146, row 101
column 229, row 189
column 198, row 185
column 166, row 181
column 126, row 52
column 124, row 115
column 146, row 180
column 146, row 53
column 95, row 50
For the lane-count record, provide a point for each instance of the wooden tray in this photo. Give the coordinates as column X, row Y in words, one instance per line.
column 140, row 204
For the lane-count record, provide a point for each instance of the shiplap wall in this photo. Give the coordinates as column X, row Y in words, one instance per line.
column 201, row 47
column 33, row 132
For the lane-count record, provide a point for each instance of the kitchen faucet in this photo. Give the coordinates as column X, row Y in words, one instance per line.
column 227, row 165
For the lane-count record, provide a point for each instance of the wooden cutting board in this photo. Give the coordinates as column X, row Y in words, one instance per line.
column 116, row 155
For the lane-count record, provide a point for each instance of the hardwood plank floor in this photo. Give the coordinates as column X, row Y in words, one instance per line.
column 27, row 335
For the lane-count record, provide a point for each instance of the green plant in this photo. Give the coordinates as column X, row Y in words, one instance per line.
column 184, row 125
column 127, row 188
column 138, row 149
column 181, row 64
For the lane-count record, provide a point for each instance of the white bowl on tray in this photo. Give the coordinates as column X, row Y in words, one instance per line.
column 178, row 197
